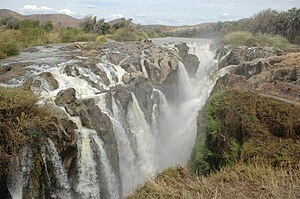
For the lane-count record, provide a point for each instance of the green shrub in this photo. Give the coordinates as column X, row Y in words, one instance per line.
column 101, row 39
column 8, row 44
column 237, row 38
column 129, row 34
column 262, row 40
column 258, row 40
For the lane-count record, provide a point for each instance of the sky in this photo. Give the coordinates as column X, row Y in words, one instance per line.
column 165, row 12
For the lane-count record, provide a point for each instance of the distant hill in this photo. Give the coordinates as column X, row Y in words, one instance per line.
column 56, row 19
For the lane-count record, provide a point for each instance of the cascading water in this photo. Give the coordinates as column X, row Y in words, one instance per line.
column 145, row 140
column 110, row 177
column 20, row 180
column 128, row 168
column 60, row 172
column 88, row 183
column 143, row 147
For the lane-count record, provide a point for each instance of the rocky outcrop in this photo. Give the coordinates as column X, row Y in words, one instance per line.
column 191, row 62
column 50, row 79
column 234, row 56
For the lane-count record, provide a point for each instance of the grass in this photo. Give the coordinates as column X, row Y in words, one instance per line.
column 254, row 154
column 243, row 38
column 128, row 34
column 21, row 121
column 237, row 38
column 239, row 181
column 243, row 125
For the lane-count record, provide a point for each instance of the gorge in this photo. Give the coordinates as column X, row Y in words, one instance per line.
column 123, row 112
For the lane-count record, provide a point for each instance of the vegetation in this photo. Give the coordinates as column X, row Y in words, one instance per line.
column 259, row 40
column 252, row 128
column 267, row 22
column 252, row 153
column 21, row 121
column 18, row 34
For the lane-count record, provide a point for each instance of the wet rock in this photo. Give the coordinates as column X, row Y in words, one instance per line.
column 123, row 96
column 116, row 58
column 92, row 117
column 67, row 99
column 249, row 69
column 191, row 62
column 50, row 79
column 234, row 56
column 126, row 78
column 4, row 69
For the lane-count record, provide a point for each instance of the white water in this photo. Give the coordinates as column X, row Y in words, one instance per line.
column 110, row 177
column 60, row 172
column 129, row 171
column 145, row 140
column 88, row 182
column 19, row 180
column 143, row 148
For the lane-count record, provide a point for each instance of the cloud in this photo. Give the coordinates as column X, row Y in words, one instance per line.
column 91, row 6
column 66, row 11
column 33, row 9
column 113, row 17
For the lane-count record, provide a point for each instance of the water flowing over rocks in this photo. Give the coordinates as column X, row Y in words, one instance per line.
column 123, row 111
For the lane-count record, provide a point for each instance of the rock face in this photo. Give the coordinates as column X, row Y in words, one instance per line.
column 235, row 56
column 50, row 79
column 67, row 99
column 191, row 62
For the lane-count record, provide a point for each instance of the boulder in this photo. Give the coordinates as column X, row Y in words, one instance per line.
column 50, row 79
column 191, row 62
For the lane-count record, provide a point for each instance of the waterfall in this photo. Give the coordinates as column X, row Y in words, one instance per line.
column 143, row 148
column 145, row 141
column 184, row 83
column 43, row 153
column 143, row 65
column 110, row 177
column 88, row 184
column 60, row 172
column 128, row 168
column 20, row 178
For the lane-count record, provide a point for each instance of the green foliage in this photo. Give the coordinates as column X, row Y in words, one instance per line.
column 8, row 44
column 242, row 126
column 127, row 34
column 101, row 39
column 237, row 38
column 48, row 26
column 90, row 24
column 260, row 40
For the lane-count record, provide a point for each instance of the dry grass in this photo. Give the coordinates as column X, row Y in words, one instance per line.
column 238, row 181
column 21, row 121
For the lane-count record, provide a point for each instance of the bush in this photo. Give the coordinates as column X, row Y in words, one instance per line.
column 101, row 39
column 262, row 40
column 237, row 38
column 8, row 44
column 258, row 40
column 21, row 120
column 129, row 34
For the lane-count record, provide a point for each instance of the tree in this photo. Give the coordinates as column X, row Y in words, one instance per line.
column 48, row 26
column 87, row 23
column 101, row 27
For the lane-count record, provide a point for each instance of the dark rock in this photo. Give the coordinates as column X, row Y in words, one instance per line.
column 50, row 79
column 191, row 62
column 4, row 69
column 123, row 96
